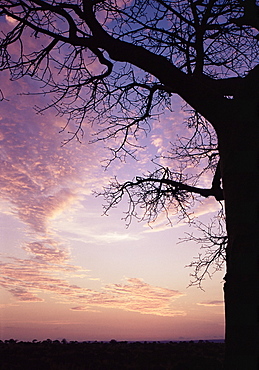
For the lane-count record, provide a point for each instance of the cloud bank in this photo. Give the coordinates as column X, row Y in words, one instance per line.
column 27, row 279
column 39, row 180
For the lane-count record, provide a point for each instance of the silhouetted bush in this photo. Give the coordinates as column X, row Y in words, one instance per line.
column 56, row 355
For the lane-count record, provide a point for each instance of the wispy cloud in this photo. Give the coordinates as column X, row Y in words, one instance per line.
column 35, row 179
column 39, row 180
column 24, row 295
column 26, row 280
column 137, row 296
column 208, row 205
column 112, row 237
column 47, row 250
column 211, row 303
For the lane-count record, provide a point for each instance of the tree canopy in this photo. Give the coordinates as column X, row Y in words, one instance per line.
column 117, row 63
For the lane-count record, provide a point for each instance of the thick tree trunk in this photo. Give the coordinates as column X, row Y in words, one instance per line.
column 240, row 175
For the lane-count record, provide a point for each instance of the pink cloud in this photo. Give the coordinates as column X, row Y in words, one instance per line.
column 23, row 295
column 211, row 303
column 48, row 251
column 38, row 176
column 142, row 297
column 136, row 296
column 27, row 279
column 37, row 184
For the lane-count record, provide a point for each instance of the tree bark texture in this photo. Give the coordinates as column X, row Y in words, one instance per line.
column 240, row 176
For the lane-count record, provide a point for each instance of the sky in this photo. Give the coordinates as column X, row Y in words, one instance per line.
column 67, row 270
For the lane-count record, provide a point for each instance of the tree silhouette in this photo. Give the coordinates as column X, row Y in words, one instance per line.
column 118, row 63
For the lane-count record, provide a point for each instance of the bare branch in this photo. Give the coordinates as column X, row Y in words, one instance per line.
column 147, row 196
column 213, row 242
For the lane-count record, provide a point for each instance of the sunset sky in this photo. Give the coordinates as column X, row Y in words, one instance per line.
column 68, row 271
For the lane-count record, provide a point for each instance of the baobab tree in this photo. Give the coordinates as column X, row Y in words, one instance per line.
column 118, row 62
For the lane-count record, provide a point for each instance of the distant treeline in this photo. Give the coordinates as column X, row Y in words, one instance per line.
column 113, row 355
